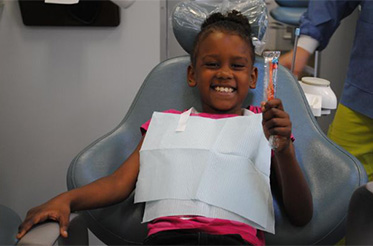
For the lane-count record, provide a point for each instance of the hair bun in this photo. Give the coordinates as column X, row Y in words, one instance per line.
column 232, row 16
column 238, row 17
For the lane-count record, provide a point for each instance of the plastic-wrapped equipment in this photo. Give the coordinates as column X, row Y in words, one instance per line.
column 270, row 83
column 188, row 17
column 270, row 74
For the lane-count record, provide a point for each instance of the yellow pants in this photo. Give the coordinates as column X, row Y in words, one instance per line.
column 354, row 132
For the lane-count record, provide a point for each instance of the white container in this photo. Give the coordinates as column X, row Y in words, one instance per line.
column 318, row 86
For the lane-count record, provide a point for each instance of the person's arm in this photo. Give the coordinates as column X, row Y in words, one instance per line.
column 323, row 17
column 289, row 179
column 300, row 62
column 318, row 23
column 102, row 192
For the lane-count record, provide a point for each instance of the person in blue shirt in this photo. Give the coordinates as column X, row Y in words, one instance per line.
column 352, row 127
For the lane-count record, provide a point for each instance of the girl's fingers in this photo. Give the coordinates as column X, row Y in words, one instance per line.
column 280, row 131
column 32, row 220
column 278, row 126
column 64, row 224
column 275, row 113
column 277, row 122
column 26, row 226
column 274, row 103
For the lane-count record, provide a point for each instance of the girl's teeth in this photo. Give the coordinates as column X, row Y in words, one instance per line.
column 224, row 89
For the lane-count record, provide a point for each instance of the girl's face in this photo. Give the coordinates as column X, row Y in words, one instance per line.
column 223, row 73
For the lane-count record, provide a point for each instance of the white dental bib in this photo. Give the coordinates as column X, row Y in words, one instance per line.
column 217, row 168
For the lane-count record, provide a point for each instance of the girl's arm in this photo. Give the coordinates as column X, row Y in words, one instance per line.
column 288, row 176
column 102, row 192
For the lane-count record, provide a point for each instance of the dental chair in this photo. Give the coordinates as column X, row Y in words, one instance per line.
column 331, row 172
column 289, row 12
column 360, row 216
column 9, row 222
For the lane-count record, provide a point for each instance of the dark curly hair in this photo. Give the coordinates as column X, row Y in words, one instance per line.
column 232, row 22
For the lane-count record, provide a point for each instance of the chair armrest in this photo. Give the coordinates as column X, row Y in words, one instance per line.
column 49, row 233
column 9, row 222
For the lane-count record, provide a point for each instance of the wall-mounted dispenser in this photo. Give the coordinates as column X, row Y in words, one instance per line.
column 70, row 13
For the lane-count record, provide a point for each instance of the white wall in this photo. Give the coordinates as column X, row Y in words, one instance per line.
column 60, row 89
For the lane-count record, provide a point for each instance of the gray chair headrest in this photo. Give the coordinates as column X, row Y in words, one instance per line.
column 188, row 17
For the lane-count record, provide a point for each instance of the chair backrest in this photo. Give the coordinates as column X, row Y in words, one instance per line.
column 331, row 172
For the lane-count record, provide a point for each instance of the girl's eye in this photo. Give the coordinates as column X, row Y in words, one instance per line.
column 212, row 64
column 238, row 66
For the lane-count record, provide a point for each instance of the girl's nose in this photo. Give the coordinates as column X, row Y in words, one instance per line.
column 224, row 74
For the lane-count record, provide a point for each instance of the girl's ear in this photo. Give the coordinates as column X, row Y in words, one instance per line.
column 191, row 80
column 254, row 77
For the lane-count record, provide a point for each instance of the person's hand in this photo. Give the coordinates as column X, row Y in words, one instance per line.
column 301, row 60
column 57, row 209
column 276, row 122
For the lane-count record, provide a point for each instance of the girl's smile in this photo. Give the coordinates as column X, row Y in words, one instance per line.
column 223, row 90
column 223, row 72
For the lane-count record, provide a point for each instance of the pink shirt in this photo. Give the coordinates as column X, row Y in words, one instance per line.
column 208, row 225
